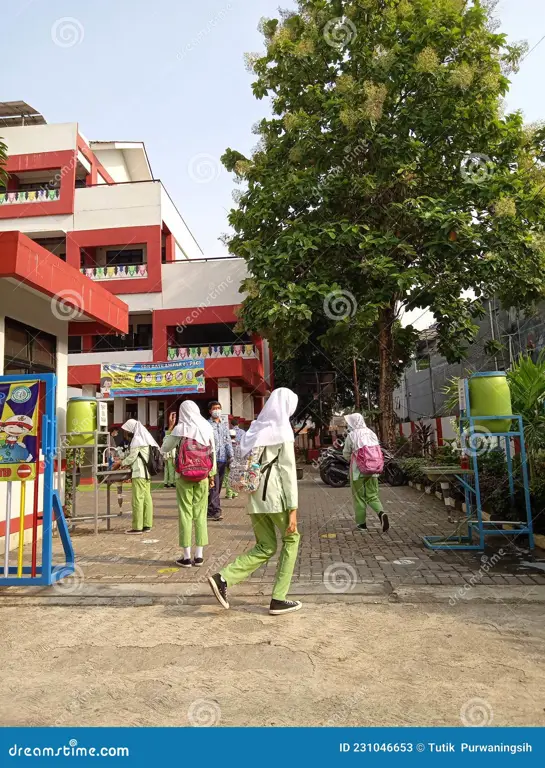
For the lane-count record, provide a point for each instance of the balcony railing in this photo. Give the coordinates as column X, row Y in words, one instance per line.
column 29, row 196
column 133, row 271
column 245, row 351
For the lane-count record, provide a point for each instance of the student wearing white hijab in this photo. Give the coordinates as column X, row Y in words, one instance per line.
column 137, row 459
column 192, row 496
column 272, row 507
column 365, row 488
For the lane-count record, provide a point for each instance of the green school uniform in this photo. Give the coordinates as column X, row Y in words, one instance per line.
column 142, row 504
column 267, row 517
column 365, row 488
column 192, row 501
column 170, row 470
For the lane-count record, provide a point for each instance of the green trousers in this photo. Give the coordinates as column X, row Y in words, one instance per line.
column 142, row 505
column 192, row 508
column 170, row 472
column 365, row 494
column 266, row 544
column 229, row 494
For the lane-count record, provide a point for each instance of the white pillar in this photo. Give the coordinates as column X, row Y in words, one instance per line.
column 237, row 397
column 248, row 407
column 119, row 410
column 224, row 395
column 153, row 411
column 143, row 410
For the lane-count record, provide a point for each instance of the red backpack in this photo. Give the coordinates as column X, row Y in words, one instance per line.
column 194, row 460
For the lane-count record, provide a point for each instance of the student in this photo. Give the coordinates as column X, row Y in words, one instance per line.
column 364, row 487
column 142, row 505
column 236, row 436
column 169, row 472
column 271, row 431
column 224, row 456
column 192, row 496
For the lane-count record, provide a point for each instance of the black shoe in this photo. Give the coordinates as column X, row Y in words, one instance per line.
column 362, row 527
column 146, row 529
column 198, row 561
column 217, row 517
column 278, row 607
column 134, row 532
column 184, row 563
column 383, row 517
column 219, row 588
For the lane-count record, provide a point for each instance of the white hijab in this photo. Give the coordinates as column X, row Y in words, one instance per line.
column 360, row 435
column 141, row 435
column 191, row 424
column 272, row 426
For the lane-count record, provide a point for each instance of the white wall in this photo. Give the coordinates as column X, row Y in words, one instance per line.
column 213, row 283
column 179, row 228
column 114, row 162
column 37, row 224
column 30, row 139
column 125, row 205
column 96, row 358
column 30, row 307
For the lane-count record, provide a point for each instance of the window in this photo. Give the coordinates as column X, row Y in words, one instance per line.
column 139, row 337
column 74, row 344
column 28, row 350
column 125, row 256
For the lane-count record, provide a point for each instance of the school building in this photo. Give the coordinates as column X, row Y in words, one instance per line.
column 96, row 206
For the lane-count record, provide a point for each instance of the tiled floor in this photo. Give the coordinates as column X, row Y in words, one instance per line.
column 332, row 550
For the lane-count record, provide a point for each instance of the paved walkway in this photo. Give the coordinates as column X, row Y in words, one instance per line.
column 333, row 552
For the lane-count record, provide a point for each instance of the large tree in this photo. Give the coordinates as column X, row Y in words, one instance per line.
column 387, row 177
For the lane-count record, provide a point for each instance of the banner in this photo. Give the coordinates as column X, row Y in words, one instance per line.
column 19, row 414
column 152, row 379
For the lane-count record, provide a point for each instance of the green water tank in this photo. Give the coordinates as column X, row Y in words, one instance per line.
column 81, row 416
column 489, row 395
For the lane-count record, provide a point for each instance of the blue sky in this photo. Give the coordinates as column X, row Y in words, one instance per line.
column 171, row 73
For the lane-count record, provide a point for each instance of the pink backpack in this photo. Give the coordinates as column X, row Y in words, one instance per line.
column 194, row 460
column 370, row 460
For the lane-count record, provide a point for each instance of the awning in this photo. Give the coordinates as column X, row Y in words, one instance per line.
column 25, row 261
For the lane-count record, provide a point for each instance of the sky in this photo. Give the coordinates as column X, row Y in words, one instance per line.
column 171, row 73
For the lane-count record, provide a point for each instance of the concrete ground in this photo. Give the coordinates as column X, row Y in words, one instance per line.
column 340, row 663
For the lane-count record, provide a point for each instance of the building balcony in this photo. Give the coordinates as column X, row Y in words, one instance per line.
column 29, row 196
column 130, row 272
column 242, row 351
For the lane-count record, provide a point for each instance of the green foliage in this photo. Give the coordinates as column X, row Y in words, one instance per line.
column 413, row 469
column 527, row 384
column 386, row 173
column 3, row 161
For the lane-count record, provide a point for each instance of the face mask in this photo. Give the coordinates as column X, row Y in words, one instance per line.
column 216, row 413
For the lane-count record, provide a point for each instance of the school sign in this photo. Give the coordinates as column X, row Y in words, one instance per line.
column 152, row 379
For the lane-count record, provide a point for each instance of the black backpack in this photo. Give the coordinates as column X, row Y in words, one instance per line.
column 154, row 463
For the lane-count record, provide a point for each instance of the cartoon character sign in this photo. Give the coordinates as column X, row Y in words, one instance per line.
column 19, row 419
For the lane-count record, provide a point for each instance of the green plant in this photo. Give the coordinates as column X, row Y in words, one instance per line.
column 527, row 384
column 413, row 469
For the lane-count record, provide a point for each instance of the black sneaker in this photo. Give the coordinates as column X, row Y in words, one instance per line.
column 217, row 517
column 184, row 563
column 362, row 527
column 146, row 529
column 383, row 517
column 198, row 561
column 134, row 532
column 278, row 607
column 219, row 588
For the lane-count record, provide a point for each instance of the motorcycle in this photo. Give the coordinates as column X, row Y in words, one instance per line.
column 335, row 469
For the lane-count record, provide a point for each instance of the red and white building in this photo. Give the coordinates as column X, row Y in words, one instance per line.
column 96, row 206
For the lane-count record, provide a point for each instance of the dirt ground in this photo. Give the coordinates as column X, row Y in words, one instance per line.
column 338, row 663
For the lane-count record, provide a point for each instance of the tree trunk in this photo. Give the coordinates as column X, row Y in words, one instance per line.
column 386, row 377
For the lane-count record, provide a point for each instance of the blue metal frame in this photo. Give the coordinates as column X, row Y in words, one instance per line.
column 474, row 520
column 47, row 573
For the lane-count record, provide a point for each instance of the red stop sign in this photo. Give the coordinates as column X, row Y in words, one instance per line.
column 24, row 471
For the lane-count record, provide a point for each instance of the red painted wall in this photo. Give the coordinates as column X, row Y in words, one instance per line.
column 64, row 163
